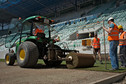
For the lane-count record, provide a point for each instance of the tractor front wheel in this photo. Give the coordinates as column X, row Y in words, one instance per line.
column 10, row 59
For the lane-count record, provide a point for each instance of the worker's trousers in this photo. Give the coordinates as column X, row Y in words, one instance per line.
column 123, row 55
column 113, row 54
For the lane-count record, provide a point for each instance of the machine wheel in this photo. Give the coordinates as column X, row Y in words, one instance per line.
column 53, row 63
column 27, row 54
column 10, row 59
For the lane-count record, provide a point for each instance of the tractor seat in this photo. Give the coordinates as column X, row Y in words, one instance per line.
column 41, row 35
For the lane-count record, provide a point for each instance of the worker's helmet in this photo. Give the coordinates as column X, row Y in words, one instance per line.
column 111, row 18
column 120, row 27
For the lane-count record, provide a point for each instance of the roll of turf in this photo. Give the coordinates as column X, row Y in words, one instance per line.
column 79, row 60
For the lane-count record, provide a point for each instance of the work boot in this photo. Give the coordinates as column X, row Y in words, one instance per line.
column 95, row 62
column 123, row 66
column 101, row 62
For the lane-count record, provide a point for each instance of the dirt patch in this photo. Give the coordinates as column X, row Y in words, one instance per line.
column 43, row 75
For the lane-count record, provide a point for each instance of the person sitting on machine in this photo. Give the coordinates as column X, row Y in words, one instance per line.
column 37, row 30
column 57, row 39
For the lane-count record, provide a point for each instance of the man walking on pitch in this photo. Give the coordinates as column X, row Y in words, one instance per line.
column 96, row 47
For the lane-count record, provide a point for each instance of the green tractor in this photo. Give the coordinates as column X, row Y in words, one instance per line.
column 30, row 47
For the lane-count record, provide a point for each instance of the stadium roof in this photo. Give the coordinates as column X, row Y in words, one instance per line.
column 25, row 8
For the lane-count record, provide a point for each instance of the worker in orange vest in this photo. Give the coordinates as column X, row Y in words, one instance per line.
column 89, row 34
column 96, row 47
column 113, row 38
column 57, row 39
column 37, row 30
column 122, row 44
column 77, row 35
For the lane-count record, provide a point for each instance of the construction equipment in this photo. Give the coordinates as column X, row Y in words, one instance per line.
column 30, row 47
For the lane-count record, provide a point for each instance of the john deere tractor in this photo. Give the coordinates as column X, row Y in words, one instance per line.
column 30, row 47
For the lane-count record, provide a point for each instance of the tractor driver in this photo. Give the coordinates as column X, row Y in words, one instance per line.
column 37, row 30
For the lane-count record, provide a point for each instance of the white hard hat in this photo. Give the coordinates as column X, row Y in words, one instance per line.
column 111, row 18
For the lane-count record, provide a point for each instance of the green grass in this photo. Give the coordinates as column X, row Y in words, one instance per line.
column 41, row 62
column 97, row 66
column 103, row 67
column 2, row 60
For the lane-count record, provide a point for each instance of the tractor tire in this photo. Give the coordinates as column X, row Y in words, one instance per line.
column 53, row 63
column 10, row 59
column 27, row 54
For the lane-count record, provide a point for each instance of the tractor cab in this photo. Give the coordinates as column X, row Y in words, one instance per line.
column 38, row 28
column 34, row 28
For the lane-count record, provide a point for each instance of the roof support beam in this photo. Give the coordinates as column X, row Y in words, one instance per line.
column 44, row 5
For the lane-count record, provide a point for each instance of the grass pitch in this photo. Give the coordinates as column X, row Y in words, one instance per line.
column 97, row 66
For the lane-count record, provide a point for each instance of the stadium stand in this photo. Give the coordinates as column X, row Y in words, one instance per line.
column 93, row 21
column 118, row 13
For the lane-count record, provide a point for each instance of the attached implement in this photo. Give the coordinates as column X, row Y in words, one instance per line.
column 32, row 45
column 79, row 60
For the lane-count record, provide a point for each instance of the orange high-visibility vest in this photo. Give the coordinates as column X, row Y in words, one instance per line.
column 96, row 43
column 58, row 38
column 114, row 35
column 77, row 35
column 122, row 42
column 38, row 31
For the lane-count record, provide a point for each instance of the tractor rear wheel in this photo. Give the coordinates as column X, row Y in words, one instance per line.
column 10, row 59
column 53, row 63
column 27, row 54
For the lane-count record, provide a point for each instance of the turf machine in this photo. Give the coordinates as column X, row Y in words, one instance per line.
column 29, row 47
